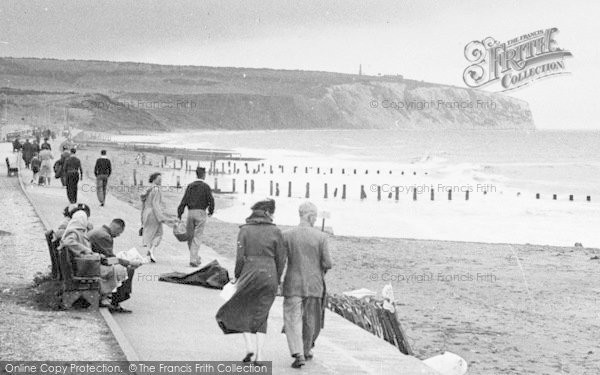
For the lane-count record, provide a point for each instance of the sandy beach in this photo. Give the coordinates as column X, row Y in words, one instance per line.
column 493, row 304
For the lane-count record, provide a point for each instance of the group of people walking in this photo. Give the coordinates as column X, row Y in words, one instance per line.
column 269, row 261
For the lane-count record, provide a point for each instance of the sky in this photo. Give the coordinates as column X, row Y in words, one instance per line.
column 421, row 40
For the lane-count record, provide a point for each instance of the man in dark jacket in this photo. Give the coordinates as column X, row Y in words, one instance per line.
column 102, row 171
column 72, row 172
column 27, row 153
column 17, row 146
column 46, row 145
column 197, row 198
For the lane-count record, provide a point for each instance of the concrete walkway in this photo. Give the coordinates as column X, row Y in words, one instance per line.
column 176, row 322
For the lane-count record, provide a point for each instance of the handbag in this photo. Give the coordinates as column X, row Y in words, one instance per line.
column 228, row 291
column 180, row 231
column 87, row 265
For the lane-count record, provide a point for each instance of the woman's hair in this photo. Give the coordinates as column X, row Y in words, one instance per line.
column 153, row 177
column 267, row 205
column 79, row 207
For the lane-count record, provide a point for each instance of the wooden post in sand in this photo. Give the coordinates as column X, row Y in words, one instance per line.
column 432, row 194
column 307, row 195
column 295, row 167
column 571, row 197
column 397, row 193
column 289, row 189
column 233, row 186
column 554, row 196
column 178, row 182
column 344, row 191
column 251, row 186
column 343, row 171
column 271, row 188
column 216, row 184
column 134, row 177
column 537, row 195
column 378, row 192
column 467, row 195
column 277, row 189
column 414, row 194
column 318, row 170
column 449, row 194
column 588, row 198
column 363, row 195
column 245, row 186
column 270, row 169
column 325, row 191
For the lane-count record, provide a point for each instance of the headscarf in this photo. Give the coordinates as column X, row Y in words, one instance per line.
column 77, row 225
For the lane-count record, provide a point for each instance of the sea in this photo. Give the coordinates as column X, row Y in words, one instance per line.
column 540, row 187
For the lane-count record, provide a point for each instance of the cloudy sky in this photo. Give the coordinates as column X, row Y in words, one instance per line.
column 422, row 40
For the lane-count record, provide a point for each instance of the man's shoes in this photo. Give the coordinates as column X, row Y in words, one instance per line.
column 309, row 355
column 194, row 264
column 101, row 204
column 299, row 361
column 248, row 357
column 118, row 309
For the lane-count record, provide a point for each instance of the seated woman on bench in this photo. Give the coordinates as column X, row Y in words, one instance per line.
column 76, row 241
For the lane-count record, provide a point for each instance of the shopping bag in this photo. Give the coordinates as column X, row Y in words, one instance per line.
column 228, row 291
column 180, row 231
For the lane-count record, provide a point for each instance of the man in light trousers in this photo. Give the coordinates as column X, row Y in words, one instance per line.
column 198, row 199
column 308, row 260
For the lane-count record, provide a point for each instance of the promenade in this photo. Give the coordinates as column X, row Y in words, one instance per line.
column 176, row 322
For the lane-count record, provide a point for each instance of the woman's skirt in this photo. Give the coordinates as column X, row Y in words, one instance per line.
column 153, row 229
column 46, row 169
column 248, row 309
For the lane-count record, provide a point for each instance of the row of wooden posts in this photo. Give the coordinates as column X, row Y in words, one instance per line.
column 232, row 168
column 274, row 190
column 588, row 198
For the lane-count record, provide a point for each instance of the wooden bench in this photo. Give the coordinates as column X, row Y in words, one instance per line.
column 72, row 287
column 12, row 171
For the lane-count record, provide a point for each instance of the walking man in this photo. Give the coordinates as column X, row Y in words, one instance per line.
column 304, row 284
column 102, row 171
column 27, row 152
column 72, row 172
column 197, row 198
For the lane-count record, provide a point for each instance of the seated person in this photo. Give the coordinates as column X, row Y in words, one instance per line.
column 102, row 240
column 75, row 240
column 68, row 213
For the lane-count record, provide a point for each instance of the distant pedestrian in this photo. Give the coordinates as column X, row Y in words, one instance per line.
column 17, row 146
column 102, row 171
column 46, row 145
column 59, row 166
column 153, row 215
column 304, row 285
column 73, row 173
column 46, row 168
column 36, row 164
column 197, row 198
column 258, row 268
column 27, row 153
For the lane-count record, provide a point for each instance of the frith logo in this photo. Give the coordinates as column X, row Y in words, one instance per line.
column 515, row 63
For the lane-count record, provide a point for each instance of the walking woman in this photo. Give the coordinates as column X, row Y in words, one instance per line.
column 258, row 268
column 153, row 215
column 46, row 170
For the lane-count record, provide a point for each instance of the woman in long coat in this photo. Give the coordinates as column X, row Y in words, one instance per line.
column 259, row 264
column 153, row 215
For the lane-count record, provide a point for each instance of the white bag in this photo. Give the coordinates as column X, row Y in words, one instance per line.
column 228, row 291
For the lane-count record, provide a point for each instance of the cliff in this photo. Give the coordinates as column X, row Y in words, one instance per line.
column 102, row 95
